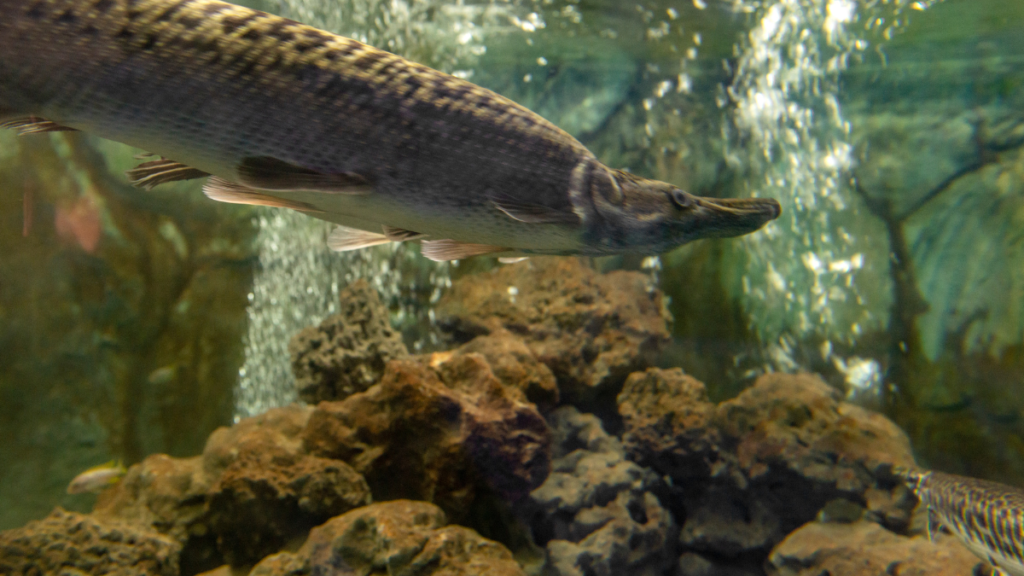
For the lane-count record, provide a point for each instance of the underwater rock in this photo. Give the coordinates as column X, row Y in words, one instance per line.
column 443, row 436
column 251, row 491
column 265, row 499
column 347, row 352
column 592, row 330
column 750, row 470
column 597, row 513
column 70, row 543
column 515, row 365
column 669, row 423
column 398, row 537
column 865, row 548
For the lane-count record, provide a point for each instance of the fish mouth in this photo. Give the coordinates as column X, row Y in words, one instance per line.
column 727, row 217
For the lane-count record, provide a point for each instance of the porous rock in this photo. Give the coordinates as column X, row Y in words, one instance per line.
column 347, row 352
column 590, row 329
column 444, row 435
column 514, row 364
column 252, row 490
column 397, row 537
column 263, row 499
column 597, row 513
column 867, row 549
column 70, row 543
column 752, row 469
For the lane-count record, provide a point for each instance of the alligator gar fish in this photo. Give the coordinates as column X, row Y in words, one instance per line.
column 987, row 517
column 278, row 113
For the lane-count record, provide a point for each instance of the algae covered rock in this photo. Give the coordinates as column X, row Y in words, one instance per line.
column 72, row 544
column 750, row 470
column 866, row 549
column 515, row 365
column 252, row 490
column 590, row 329
column 398, row 537
column 437, row 436
column 347, row 352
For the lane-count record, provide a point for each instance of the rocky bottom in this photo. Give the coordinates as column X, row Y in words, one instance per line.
column 542, row 443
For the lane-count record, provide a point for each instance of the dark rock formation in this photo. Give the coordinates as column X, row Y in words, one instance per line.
column 398, row 537
column 347, row 352
column 752, row 469
column 441, row 436
column 597, row 513
column 72, row 544
column 867, row 549
column 590, row 329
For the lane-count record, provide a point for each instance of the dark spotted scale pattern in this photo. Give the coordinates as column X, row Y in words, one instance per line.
column 986, row 516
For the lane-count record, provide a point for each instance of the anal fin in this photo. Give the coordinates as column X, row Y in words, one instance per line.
column 444, row 250
column 344, row 238
column 512, row 259
column 268, row 173
column 34, row 125
column 222, row 190
column 155, row 172
column 401, row 235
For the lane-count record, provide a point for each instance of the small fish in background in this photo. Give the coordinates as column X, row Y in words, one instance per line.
column 277, row 113
column 988, row 517
column 78, row 223
column 97, row 478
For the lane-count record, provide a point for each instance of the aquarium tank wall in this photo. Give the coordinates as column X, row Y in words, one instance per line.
column 198, row 387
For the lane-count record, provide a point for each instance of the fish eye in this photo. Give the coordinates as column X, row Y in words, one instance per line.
column 680, row 199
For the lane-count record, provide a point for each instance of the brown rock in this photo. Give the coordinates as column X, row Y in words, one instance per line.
column 867, row 549
column 70, row 543
column 416, row 436
column 756, row 467
column 668, row 423
column 265, row 499
column 251, row 491
column 799, row 422
column 590, row 329
column 515, row 365
column 347, row 352
column 398, row 537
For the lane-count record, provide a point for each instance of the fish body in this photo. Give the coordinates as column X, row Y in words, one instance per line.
column 97, row 478
column 283, row 114
column 987, row 517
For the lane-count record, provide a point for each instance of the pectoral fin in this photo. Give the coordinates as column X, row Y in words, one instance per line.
column 532, row 213
column 443, row 250
column 268, row 173
column 224, row 191
column 344, row 238
column 34, row 125
column 155, row 172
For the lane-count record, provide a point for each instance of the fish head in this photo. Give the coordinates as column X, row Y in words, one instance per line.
column 643, row 215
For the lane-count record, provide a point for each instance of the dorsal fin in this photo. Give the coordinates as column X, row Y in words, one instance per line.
column 268, row 173
column 34, row 125
column 155, row 172
column 222, row 190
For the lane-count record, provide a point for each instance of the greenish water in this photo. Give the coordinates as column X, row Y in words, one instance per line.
column 891, row 132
